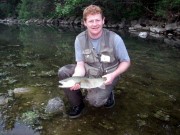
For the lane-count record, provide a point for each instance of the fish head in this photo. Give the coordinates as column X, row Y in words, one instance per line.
column 66, row 83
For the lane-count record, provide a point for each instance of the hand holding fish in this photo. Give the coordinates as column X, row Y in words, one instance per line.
column 76, row 86
column 109, row 78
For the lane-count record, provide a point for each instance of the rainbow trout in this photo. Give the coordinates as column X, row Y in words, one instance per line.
column 85, row 83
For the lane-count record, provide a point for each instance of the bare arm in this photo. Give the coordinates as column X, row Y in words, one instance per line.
column 123, row 66
column 79, row 71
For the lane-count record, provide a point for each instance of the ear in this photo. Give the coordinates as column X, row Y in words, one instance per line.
column 84, row 23
column 103, row 20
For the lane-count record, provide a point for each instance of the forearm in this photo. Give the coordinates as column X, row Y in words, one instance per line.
column 79, row 69
column 123, row 66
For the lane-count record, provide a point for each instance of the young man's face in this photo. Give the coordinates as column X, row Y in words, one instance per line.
column 94, row 24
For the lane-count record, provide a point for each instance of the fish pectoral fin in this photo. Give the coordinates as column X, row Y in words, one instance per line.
column 103, row 86
column 79, row 83
column 104, row 78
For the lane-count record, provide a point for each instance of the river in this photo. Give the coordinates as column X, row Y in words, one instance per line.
column 147, row 97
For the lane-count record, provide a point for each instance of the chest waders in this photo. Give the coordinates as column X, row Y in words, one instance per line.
column 94, row 67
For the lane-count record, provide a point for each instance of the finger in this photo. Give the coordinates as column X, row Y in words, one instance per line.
column 75, row 87
column 72, row 88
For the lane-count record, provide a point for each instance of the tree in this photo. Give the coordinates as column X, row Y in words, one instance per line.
column 36, row 9
column 113, row 9
column 8, row 8
column 168, row 9
column 70, row 7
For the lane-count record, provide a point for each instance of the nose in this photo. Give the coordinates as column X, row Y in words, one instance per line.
column 95, row 22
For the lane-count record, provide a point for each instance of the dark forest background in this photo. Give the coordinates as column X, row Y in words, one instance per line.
column 167, row 10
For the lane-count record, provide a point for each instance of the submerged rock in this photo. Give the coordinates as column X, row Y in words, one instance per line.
column 162, row 115
column 3, row 74
column 24, row 64
column 47, row 73
column 54, row 106
column 9, row 80
column 3, row 100
column 141, row 123
column 10, row 93
column 106, row 125
column 21, row 90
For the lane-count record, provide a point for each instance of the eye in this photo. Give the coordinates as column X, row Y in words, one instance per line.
column 91, row 21
column 97, row 20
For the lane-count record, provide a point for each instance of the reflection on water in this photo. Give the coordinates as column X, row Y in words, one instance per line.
column 20, row 129
column 147, row 97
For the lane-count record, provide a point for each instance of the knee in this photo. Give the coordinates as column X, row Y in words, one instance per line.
column 96, row 102
column 61, row 73
column 66, row 71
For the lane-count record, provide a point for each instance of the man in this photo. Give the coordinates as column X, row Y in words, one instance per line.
column 99, row 53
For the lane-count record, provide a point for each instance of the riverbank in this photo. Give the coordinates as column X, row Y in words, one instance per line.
column 144, row 28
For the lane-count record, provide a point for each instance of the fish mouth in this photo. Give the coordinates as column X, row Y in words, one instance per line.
column 60, row 84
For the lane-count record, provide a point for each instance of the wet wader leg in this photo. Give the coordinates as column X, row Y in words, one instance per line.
column 75, row 97
column 111, row 87
column 97, row 97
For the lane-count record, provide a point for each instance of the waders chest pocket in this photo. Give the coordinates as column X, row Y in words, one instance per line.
column 88, row 56
column 94, row 72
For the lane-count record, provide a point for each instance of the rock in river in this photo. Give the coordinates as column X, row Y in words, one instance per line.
column 21, row 90
column 3, row 100
column 54, row 106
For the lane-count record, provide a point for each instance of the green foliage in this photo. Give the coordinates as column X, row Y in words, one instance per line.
column 69, row 7
column 24, row 9
column 8, row 8
column 117, row 10
column 166, row 7
column 135, row 12
column 113, row 10
column 35, row 9
column 3, row 10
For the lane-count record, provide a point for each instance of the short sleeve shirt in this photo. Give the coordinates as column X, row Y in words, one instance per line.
column 120, row 49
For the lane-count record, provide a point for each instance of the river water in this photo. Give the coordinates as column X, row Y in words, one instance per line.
column 147, row 97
